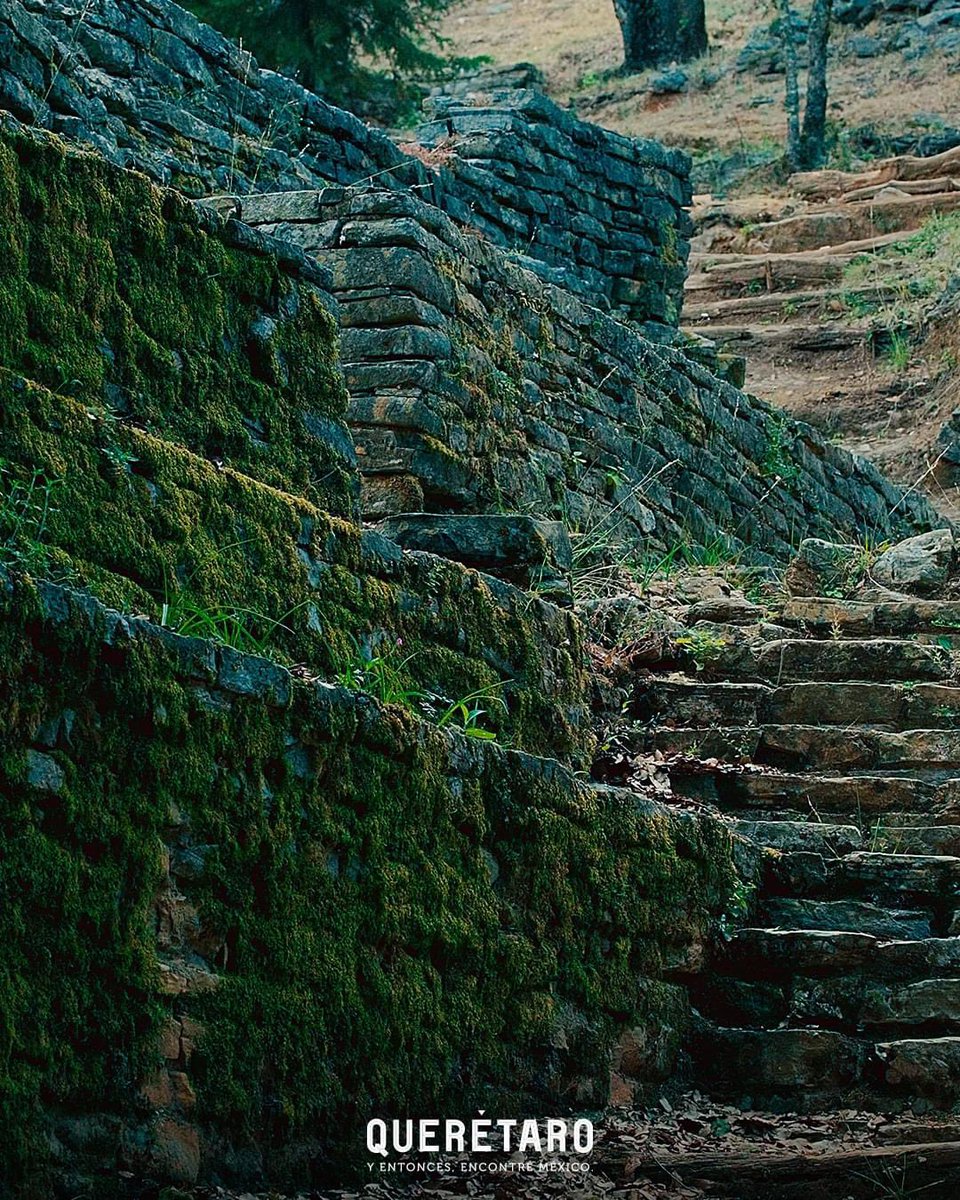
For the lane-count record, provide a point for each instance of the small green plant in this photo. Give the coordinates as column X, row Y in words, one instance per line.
column 381, row 673
column 777, row 461
column 702, row 645
column 898, row 353
column 121, row 460
column 738, row 907
column 592, row 79
column 240, row 628
column 466, row 715
column 26, row 504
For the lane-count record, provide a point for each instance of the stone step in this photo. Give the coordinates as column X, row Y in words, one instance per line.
column 797, row 337
column 716, row 276
column 694, row 703
column 865, row 618
column 856, row 916
column 864, row 795
column 857, row 220
column 915, row 839
column 796, row 747
column 851, row 1004
column 789, row 660
column 825, row 303
column 858, row 1003
column 736, row 1063
column 756, row 953
column 681, row 701
column 932, row 880
column 897, row 707
column 724, row 277
column 804, row 835
column 925, row 1067
column 888, row 834
column 793, row 746
column 819, row 1067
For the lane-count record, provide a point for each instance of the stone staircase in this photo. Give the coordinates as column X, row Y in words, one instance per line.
column 767, row 282
column 831, row 742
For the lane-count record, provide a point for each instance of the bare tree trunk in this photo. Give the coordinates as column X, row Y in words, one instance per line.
column 812, row 148
column 661, row 31
column 792, row 98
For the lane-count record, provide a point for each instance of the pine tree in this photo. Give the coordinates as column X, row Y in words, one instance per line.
column 322, row 42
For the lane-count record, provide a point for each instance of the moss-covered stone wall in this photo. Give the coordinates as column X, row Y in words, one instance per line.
column 155, row 529
column 242, row 911
column 162, row 315
column 150, row 87
column 475, row 387
column 174, row 398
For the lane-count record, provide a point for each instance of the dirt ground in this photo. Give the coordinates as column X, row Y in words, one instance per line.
column 577, row 44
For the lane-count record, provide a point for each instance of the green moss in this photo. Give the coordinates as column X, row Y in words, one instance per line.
column 137, row 519
column 401, row 921
column 121, row 294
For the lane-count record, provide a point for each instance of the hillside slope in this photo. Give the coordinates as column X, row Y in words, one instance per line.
column 733, row 99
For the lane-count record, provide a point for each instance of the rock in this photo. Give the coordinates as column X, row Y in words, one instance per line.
column 727, row 610
column 526, row 551
column 618, row 620
column 175, row 1155
column 670, row 82
column 927, row 1067
column 948, row 439
column 920, row 565
column 646, row 1054
column 857, row 12
column 866, row 47
column 44, row 772
column 821, row 567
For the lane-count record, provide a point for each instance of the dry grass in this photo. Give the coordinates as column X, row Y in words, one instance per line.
column 577, row 41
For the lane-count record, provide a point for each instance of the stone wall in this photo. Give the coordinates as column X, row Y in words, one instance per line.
column 593, row 211
column 170, row 320
column 244, row 912
column 186, row 435
column 152, row 88
column 475, row 387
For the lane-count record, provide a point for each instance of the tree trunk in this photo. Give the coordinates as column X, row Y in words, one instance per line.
column 792, row 98
column 812, row 148
column 661, row 31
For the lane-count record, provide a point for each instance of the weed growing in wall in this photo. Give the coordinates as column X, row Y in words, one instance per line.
column 382, row 672
column 777, row 459
column 26, row 504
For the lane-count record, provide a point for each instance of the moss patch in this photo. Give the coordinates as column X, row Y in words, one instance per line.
column 140, row 520
column 402, row 919
column 127, row 296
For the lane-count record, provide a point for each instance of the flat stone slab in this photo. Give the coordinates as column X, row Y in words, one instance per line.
column 857, row 916
column 927, row 1067
column 846, row 793
column 736, row 1062
column 832, row 952
column 525, row 550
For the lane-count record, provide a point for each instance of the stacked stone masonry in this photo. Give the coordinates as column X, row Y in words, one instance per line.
column 475, row 387
column 273, row 895
column 152, row 88
column 604, row 213
column 245, row 905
